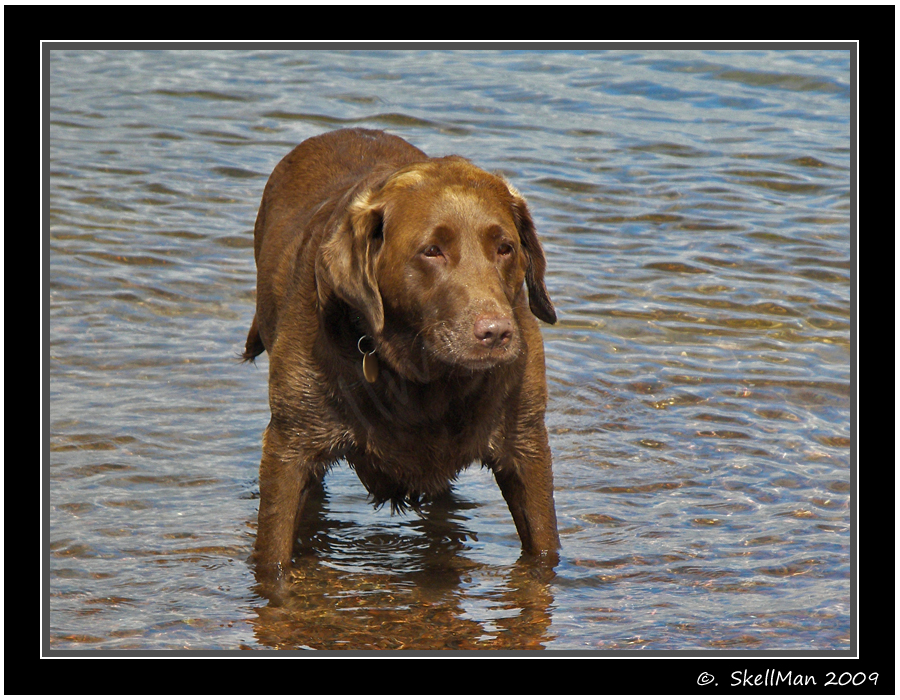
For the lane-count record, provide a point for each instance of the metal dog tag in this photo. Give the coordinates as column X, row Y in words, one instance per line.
column 370, row 367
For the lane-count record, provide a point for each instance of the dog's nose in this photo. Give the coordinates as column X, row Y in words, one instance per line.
column 493, row 331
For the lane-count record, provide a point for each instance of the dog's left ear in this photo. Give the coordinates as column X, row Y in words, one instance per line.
column 538, row 298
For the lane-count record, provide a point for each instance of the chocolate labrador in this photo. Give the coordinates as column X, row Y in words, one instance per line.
column 391, row 299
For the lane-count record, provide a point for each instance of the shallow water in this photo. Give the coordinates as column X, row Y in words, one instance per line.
column 695, row 213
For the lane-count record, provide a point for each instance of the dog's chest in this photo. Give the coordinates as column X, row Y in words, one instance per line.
column 454, row 424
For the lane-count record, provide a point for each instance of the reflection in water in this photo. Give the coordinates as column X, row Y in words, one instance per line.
column 388, row 587
column 696, row 211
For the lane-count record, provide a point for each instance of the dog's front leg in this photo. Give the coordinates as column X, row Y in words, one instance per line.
column 526, row 482
column 285, row 479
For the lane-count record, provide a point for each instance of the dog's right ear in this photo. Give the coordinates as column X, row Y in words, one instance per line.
column 345, row 265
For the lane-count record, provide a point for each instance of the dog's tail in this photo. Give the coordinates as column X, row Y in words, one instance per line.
column 254, row 344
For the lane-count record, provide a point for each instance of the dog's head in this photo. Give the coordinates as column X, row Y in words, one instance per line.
column 437, row 257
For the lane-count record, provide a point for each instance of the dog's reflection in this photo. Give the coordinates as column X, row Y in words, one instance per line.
column 401, row 585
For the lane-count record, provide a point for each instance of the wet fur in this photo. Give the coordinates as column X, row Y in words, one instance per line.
column 342, row 250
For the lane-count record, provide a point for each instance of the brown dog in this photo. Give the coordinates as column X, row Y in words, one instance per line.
column 391, row 301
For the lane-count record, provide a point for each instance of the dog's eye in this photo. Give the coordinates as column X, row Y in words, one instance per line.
column 432, row 251
column 504, row 249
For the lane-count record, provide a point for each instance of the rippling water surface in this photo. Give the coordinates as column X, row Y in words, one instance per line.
column 695, row 212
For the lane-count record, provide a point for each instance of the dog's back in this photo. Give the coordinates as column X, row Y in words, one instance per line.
column 308, row 178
